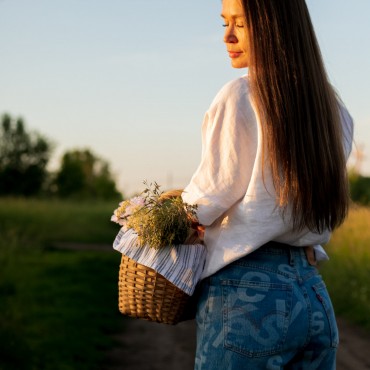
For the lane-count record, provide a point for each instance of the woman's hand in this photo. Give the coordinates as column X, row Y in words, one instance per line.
column 199, row 229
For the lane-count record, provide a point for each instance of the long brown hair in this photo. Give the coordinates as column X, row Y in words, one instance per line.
column 299, row 112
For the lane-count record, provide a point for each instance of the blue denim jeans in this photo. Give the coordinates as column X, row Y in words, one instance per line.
column 268, row 310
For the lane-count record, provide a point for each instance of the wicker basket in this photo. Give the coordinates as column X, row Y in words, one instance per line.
column 145, row 294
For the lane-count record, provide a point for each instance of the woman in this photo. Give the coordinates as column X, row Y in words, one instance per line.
column 270, row 188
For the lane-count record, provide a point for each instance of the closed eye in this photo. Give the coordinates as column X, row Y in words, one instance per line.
column 237, row 25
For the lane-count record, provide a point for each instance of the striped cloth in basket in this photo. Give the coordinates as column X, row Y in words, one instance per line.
column 182, row 265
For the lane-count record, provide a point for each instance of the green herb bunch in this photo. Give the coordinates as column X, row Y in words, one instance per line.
column 163, row 219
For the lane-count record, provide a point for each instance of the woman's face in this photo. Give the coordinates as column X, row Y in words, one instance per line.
column 236, row 33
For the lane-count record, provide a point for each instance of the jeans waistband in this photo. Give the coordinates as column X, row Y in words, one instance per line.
column 276, row 248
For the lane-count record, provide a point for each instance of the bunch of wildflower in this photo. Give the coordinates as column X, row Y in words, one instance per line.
column 126, row 209
column 159, row 219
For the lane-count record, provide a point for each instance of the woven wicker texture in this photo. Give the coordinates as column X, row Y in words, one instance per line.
column 145, row 294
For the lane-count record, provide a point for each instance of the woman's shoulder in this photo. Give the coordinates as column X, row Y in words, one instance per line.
column 235, row 87
column 233, row 92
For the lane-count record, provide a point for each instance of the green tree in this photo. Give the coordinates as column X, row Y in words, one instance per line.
column 23, row 158
column 83, row 174
column 360, row 188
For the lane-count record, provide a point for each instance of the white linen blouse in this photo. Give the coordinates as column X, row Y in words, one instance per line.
column 235, row 203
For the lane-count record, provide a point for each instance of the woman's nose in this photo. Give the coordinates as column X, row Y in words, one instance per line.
column 229, row 36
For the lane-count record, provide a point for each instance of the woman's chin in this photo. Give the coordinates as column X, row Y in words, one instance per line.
column 237, row 64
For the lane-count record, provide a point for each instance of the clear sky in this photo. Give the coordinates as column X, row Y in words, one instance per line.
column 132, row 79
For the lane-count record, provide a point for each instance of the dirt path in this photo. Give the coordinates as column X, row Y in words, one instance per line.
column 354, row 347
column 151, row 346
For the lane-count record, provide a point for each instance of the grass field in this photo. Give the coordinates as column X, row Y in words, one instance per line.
column 347, row 274
column 58, row 308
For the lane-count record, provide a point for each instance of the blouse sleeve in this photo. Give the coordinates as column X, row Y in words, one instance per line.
column 347, row 124
column 229, row 144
